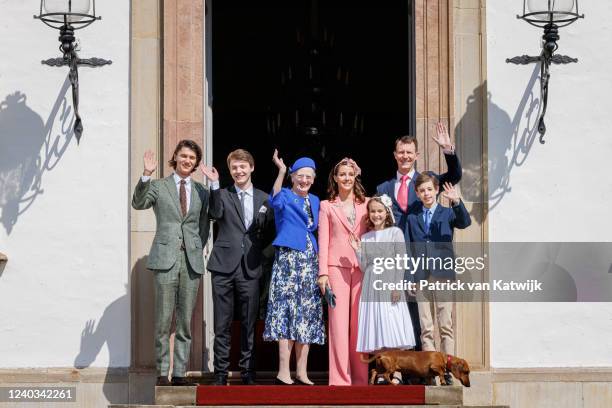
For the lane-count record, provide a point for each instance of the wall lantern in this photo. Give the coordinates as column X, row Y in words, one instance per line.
column 68, row 16
column 549, row 15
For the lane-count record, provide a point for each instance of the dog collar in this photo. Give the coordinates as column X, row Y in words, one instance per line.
column 448, row 362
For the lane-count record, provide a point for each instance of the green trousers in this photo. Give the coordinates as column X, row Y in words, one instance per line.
column 174, row 288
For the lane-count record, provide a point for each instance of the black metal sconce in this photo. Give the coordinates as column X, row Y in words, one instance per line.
column 549, row 15
column 68, row 16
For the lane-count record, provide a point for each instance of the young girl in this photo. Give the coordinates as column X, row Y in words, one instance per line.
column 384, row 320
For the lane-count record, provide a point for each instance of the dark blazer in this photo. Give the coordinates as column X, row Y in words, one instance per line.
column 234, row 241
column 453, row 176
column 438, row 241
column 291, row 220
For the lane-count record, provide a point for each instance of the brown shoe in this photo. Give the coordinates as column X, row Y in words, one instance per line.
column 163, row 382
column 180, row 381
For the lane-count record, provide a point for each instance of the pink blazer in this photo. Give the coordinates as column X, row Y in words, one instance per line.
column 334, row 233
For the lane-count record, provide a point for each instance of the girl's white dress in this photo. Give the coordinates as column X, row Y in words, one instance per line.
column 382, row 324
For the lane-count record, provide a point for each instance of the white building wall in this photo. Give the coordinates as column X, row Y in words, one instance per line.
column 556, row 192
column 63, row 293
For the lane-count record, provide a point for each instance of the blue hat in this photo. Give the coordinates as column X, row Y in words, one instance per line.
column 301, row 163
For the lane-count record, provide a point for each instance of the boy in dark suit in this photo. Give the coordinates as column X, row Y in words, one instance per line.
column 431, row 227
column 245, row 222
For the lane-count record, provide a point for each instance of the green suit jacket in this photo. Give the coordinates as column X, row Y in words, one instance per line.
column 172, row 228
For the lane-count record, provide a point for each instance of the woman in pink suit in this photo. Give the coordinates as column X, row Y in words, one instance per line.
column 341, row 217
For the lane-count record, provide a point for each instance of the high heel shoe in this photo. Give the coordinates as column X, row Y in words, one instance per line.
column 278, row 381
column 300, row 382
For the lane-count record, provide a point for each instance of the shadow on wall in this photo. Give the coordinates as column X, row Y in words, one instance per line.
column 511, row 139
column 509, row 142
column 28, row 148
column 109, row 332
column 467, row 129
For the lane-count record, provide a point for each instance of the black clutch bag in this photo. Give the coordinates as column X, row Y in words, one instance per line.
column 330, row 297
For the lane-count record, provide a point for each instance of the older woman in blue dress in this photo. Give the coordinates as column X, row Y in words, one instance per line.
column 295, row 312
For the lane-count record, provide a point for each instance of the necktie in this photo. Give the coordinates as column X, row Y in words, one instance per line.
column 427, row 219
column 402, row 193
column 183, row 197
column 245, row 217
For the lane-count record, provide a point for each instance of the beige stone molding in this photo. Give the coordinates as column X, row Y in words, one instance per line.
column 63, row 375
column 552, row 374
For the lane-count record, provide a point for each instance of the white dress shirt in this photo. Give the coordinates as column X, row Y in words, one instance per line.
column 248, row 204
column 177, row 182
column 398, row 181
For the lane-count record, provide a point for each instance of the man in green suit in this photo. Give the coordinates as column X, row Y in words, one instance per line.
column 176, row 258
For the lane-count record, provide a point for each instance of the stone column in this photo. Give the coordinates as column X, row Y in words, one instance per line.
column 450, row 83
column 183, row 24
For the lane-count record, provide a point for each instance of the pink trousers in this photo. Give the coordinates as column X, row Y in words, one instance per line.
column 345, row 366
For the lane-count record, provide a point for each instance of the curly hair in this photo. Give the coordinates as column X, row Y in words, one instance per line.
column 190, row 144
column 388, row 219
column 332, row 186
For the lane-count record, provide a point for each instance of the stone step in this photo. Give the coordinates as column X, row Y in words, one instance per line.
column 314, row 406
column 434, row 395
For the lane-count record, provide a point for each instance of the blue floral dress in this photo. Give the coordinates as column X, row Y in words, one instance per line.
column 295, row 311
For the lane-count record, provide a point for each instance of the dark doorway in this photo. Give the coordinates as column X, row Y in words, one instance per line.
column 323, row 78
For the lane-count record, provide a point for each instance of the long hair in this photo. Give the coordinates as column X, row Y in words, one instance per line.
column 190, row 144
column 388, row 219
column 332, row 186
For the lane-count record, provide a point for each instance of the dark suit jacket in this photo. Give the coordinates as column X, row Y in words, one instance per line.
column 234, row 242
column 437, row 242
column 453, row 176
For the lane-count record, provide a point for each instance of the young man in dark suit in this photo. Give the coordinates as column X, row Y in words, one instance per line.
column 245, row 222
column 431, row 227
column 403, row 195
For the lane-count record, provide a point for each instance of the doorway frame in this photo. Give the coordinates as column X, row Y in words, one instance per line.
column 437, row 84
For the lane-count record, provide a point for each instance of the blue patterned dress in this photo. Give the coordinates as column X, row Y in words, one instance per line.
column 295, row 311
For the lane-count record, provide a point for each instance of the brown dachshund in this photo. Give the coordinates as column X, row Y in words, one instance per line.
column 425, row 364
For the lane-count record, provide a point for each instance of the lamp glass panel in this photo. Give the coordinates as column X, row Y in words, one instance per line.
column 68, row 6
column 545, row 6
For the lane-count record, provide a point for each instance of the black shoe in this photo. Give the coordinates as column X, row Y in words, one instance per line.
column 180, row 382
column 248, row 378
column 448, row 378
column 411, row 381
column 278, row 381
column 220, row 379
column 380, row 380
column 162, row 382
